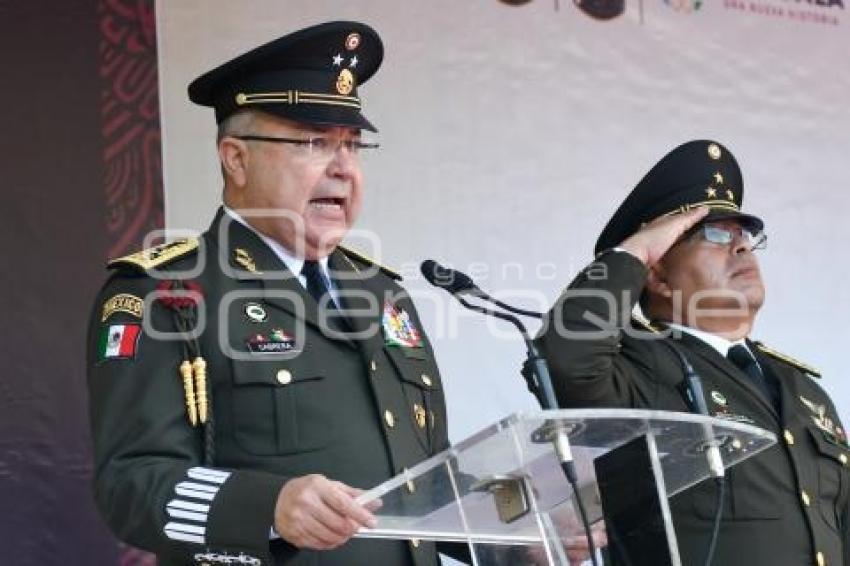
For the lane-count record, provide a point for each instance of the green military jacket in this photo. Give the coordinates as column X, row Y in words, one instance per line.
column 286, row 397
column 788, row 505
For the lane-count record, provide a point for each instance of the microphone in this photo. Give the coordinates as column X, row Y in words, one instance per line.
column 459, row 283
column 716, row 469
column 696, row 398
column 451, row 280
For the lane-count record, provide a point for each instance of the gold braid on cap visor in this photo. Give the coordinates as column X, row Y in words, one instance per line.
column 297, row 97
column 721, row 204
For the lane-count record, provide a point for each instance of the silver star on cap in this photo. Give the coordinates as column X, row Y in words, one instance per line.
column 337, row 60
column 353, row 62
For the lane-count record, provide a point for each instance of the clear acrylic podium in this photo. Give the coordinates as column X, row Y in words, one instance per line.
column 502, row 491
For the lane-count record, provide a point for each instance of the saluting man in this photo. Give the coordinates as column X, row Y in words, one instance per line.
column 246, row 385
column 681, row 247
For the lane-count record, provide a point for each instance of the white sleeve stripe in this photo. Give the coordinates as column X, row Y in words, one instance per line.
column 208, row 474
column 203, row 485
column 185, row 537
column 195, row 494
column 180, row 514
column 184, row 528
column 180, row 504
column 198, row 486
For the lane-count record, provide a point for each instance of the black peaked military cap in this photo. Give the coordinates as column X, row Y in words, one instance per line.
column 309, row 76
column 697, row 173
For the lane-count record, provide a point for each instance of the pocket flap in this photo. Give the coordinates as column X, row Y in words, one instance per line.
column 278, row 373
column 829, row 445
column 419, row 372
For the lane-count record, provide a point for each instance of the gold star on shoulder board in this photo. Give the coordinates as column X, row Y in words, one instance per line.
column 730, row 195
column 711, row 192
column 718, row 178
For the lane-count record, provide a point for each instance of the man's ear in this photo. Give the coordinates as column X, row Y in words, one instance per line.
column 234, row 157
column 656, row 281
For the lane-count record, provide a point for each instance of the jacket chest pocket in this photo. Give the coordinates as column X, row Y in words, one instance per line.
column 751, row 488
column 422, row 389
column 832, row 476
column 281, row 407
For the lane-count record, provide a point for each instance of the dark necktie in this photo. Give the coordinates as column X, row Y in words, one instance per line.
column 317, row 286
column 744, row 360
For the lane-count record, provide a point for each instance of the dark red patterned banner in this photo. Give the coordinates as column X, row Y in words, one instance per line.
column 131, row 133
column 131, row 129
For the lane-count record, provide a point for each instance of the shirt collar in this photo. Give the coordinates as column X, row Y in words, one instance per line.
column 720, row 344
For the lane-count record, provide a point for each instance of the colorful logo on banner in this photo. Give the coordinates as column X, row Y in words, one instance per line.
column 685, row 6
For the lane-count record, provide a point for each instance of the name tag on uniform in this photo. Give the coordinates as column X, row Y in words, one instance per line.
column 276, row 342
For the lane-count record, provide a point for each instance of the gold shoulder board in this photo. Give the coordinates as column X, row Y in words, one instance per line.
column 157, row 255
column 369, row 261
column 788, row 360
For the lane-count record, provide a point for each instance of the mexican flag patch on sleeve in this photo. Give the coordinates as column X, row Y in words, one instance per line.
column 118, row 341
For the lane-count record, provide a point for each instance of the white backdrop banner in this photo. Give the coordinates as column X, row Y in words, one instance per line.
column 511, row 130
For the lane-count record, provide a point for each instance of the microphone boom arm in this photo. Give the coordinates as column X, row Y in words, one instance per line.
column 543, row 381
column 459, row 284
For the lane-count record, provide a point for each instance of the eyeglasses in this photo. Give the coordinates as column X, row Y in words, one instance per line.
column 317, row 147
column 723, row 236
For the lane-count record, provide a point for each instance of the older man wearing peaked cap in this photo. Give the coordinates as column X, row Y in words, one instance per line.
column 682, row 248
column 247, row 384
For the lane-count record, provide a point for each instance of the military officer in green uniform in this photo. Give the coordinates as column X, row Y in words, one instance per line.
column 247, row 384
column 681, row 247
